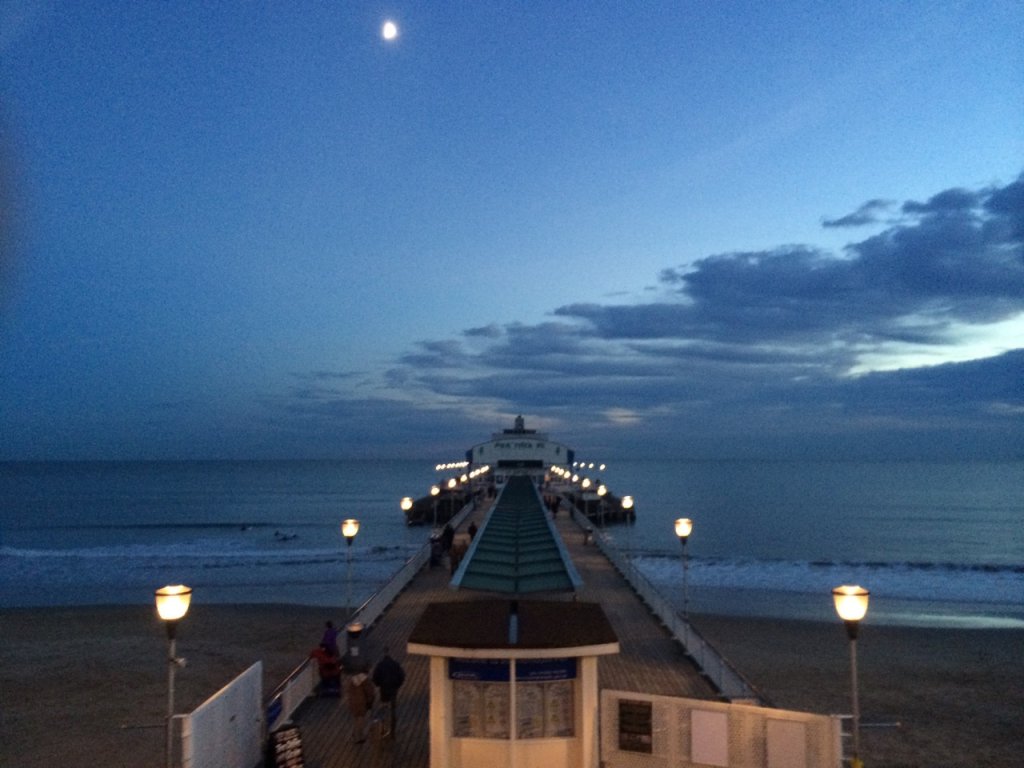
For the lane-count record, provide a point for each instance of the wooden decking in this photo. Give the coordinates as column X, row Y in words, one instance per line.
column 650, row 661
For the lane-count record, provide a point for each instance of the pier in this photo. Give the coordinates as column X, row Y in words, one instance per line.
column 651, row 661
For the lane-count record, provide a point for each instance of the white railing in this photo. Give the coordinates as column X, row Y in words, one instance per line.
column 730, row 683
column 378, row 602
column 301, row 683
column 294, row 690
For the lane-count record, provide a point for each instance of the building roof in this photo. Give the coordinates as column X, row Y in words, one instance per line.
column 511, row 625
column 517, row 550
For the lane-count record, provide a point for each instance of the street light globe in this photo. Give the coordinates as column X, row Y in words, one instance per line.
column 172, row 601
column 586, row 483
column 601, row 490
column 349, row 529
column 406, row 504
column 627, row 502
column 434, row 490
column 452, row 483
column 683, row 527
column 851, row 602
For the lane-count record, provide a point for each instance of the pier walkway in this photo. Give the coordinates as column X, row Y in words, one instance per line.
column 651, row 661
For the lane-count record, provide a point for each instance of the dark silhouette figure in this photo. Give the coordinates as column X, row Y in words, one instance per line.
column 388, row 676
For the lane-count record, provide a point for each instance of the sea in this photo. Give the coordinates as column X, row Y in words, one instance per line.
column 936, row 543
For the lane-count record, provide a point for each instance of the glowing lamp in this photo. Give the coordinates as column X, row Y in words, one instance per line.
column 683, row 527
column 172, row 602
column 851, row 602
column 349, row 529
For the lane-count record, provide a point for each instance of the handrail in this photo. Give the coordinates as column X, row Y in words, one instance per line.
column 299, row 685
column 375, row 605
column 729, row 682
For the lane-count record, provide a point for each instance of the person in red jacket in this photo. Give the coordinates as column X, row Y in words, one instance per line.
column 330, row 670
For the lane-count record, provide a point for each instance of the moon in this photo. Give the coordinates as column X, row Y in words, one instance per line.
column 389, row 31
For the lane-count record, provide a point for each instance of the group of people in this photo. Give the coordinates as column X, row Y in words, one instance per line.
column 362, row 685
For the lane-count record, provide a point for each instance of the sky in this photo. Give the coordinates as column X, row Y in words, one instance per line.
column 681, row 230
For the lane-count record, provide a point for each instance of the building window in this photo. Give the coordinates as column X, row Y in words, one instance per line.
column 545, row 692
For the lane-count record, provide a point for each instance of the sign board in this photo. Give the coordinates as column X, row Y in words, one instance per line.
column 286, row 748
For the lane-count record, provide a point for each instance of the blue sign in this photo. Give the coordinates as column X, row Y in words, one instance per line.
column 542, row 670
column 490, row 670
column 497, row 670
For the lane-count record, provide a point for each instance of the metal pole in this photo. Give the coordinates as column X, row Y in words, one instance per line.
column 686, row 593
column 348, row 579
column 856, row 763
column 171, row 663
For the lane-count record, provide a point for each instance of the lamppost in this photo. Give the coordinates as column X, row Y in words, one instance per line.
column 349, row 529
column 852, row 605
column 406, row 504
column 601, row 491
column 627, row 505
column 435, row 490
column 683, row 527
column 171, row 606
column 627, row 509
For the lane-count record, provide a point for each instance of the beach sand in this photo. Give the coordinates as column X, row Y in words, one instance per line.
column 957, row 693
column 88, row 686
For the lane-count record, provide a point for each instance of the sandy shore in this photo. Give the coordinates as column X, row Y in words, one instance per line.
column 87, row 686
column 958, row 693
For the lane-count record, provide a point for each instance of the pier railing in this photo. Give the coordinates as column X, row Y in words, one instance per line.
column 729, row 682
column 378, row 602
column 301, row 683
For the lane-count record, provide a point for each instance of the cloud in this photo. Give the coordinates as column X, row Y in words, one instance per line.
column 956, row 258
column 869, row 213
column 761, row 351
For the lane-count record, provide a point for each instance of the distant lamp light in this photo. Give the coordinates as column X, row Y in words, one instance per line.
column 349, row 529
column 452, row 483
column 434, row 490
column 602, row 490
column 586, row 483
column 406, row 503
column 684, row 526
column 627, row 502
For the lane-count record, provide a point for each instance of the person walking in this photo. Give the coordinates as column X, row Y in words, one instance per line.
column 359, row 694
column 388, row 676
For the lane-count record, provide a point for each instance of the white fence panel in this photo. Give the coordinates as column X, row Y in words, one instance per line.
column 226, row 731
column 640, row 730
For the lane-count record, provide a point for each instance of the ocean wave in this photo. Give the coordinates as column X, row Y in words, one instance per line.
column 956, row 582
column 211, row 551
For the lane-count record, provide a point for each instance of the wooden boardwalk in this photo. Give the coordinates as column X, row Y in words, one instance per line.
column 650, row 661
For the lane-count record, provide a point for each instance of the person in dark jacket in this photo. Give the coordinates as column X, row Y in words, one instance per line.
column 388, row 676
